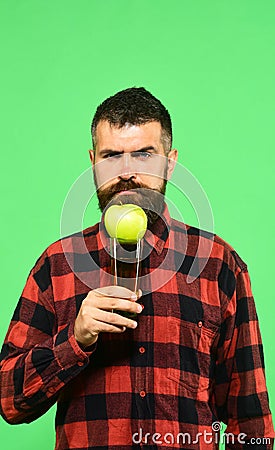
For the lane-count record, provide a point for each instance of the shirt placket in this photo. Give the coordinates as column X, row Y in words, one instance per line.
column 143, row 384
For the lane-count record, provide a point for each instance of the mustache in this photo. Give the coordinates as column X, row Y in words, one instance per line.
column 124, row 186
column 151, row 200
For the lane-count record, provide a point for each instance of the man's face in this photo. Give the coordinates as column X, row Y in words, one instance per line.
column 130, row 158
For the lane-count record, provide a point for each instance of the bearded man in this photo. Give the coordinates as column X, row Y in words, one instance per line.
column 188, row 358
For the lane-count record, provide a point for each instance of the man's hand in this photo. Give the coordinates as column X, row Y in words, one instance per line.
column 96, row 313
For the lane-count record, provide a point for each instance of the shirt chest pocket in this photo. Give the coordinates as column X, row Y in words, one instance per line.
column 191, row 353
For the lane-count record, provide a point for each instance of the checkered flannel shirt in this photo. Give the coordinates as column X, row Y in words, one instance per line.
column 194, row 360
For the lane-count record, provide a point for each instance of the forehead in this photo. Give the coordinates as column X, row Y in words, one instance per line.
column 128, row 137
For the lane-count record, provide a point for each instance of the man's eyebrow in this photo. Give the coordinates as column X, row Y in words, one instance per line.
column 107, row 151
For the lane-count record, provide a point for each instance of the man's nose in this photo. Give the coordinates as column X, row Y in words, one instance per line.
column 127, row 170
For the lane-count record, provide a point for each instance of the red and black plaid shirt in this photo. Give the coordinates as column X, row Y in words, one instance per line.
column 195, row 358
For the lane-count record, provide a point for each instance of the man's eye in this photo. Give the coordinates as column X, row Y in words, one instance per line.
column 142, row 155
column 112, row 155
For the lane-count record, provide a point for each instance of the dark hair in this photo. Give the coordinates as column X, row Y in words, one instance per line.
column 134, row 106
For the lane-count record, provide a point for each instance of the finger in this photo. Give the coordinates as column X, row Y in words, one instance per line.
column 110, row 303
column 113, row 318
column 115, row 291
column 103, row 327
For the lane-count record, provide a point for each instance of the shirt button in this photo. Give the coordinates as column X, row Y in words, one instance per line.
column 200, row 324
column 142, row 393
column 80, row 363
column 142, row 350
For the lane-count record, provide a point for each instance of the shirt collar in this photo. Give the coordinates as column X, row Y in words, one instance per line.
column 156, row 236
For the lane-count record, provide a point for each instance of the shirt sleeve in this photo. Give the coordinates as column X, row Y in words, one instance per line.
column 37, row 357
column 240, row 391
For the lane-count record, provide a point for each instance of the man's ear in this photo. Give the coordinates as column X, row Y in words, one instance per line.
column 92, row 156
column 172, row 159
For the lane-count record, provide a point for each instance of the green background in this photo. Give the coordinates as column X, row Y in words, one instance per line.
column 210, row 62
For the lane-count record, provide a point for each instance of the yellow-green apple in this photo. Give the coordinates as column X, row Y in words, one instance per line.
column 127, row 223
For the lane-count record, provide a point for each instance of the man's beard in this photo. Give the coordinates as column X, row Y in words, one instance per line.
column 150, row 200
